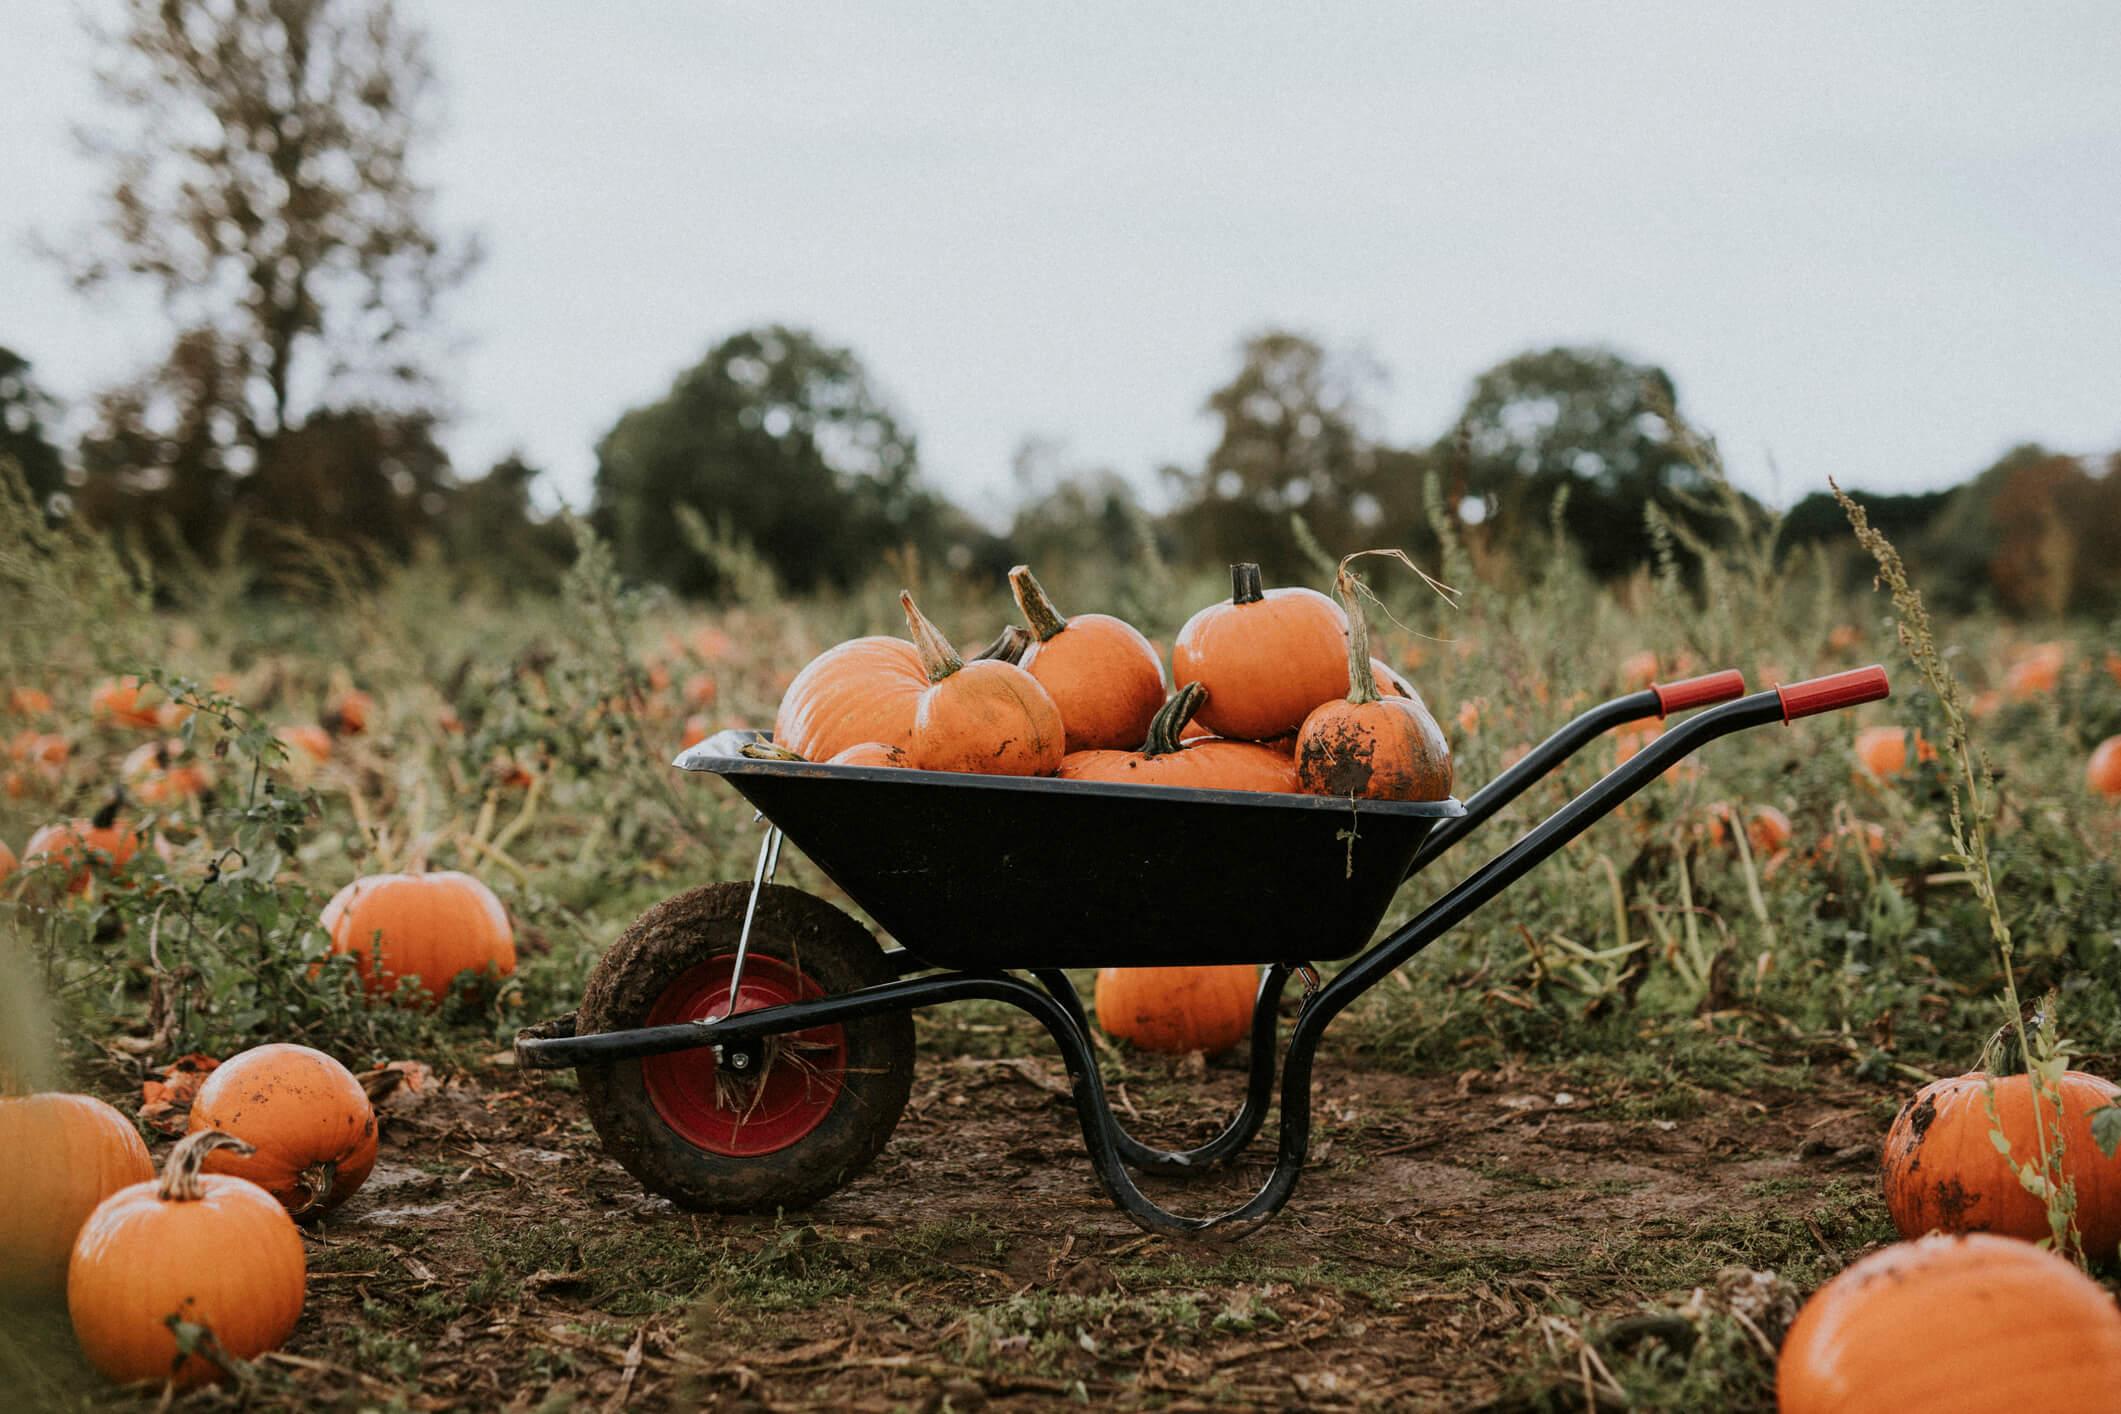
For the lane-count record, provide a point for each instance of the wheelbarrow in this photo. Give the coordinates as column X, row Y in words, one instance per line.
column 749, row 1047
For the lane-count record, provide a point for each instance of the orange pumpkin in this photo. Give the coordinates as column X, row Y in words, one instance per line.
column 83, row 845
column 208, row 1250
column 314, row 743
column 1175, row 1010
column 1882, row 751
column 1267, row 657
column 8, row 862
column 701, row 690
column 985, row 716
column 1370, row 746
column 2037, row 672
column 697, row 730
column 1942, row 1171
column 1971, row 1322
column 117, row 701
column 1639, row 669
column 349, row 712
column 2103, row 771
column 308, row 1122
column 29, row 701
column 430, row 927
column 160, row 772
column 1100, row 671
column 863, row 690
column 871, row 753
column 40, row 748
column 65, row 1154
column 1167, row 758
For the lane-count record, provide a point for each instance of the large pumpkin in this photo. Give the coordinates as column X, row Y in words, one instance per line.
column 1168, row 758
column 430, row 927
column 1942, row 1171
column 866, row 689
column 1267, row 657
column 1100, row 671
column 1368, row 745
column 65, row 1154
column 1948, row 1323
column 308, row 1122
column 207, row 1250
column 1174, row 1010
column 986, row 716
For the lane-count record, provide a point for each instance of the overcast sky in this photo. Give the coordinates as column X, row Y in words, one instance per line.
column 1879, row 241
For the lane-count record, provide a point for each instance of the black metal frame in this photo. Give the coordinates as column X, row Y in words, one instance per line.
column 1052, row 1000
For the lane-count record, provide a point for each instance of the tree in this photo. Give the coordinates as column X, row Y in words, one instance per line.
column 1585, row 419
column 781, row 439
column 25, row 410
column 261, row 178
column 492, row 522
column 1295, row 440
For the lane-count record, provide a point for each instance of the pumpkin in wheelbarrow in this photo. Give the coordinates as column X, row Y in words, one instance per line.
column 987, row 716
column 1266, row 656
column 1168, row 758
column 1371, row 746
column 1100, row 671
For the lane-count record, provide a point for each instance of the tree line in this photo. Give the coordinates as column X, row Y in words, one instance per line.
column 305, row 276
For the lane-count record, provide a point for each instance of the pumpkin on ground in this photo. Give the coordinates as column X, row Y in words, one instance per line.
column 1100, row 671
column 2037, row 672
column 82, row 845
column 2103, row 772
column 985, row 716
column 1168, row 758
column 1960, row 1322
column 1883, row 750
column 866, row 689
column 308, row 1122
column 8, row 862
column 1174, row 1010
column 163, row 772
column 1942, row 1171
column 65, row 1154
column 430, row 927
column 349, row 712
column 1267, row 657
column 1370, row 746
column 117, row 701
column 312, row 742
column 203, row 1249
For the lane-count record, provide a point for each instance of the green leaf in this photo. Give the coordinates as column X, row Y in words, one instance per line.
column 2106, row 1129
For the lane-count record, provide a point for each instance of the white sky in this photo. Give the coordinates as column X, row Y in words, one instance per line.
column 1879, row 241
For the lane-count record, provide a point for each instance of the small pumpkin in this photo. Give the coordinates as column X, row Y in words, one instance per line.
column 163, row 772
column 1370, row 746
column 121, row 703
column 1168, row 758
column 430, row 927
column 65, row 1154
column 985, row 716
column 2103, row 771
column 1883, row 752
column 1100, row 671
column 1954, row 1322
column 348, row 713
column 870, row 753
column 1175, row 1010
column 1942, row 1171
column 1267, row 657
column 312, row 742
column 2037, row 672
column 865, row 689
column 203, row 1249
column 29, row 701
column 8, row 862
column 84, row 845
column 309, row 1124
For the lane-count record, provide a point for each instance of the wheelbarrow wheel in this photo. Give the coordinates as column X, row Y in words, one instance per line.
column 781, row 1125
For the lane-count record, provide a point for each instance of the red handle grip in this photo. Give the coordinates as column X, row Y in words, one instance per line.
column 1698, row 692
column 1833, row 692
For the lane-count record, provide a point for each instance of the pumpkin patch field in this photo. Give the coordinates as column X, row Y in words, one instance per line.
column 283, row 877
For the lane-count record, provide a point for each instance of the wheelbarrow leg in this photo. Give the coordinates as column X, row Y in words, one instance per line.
column 1243, row 1127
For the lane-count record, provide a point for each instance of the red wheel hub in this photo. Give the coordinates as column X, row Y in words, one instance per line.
column 796, row 1080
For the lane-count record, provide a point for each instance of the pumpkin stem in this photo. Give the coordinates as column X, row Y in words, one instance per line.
column 316, row 1184
column 1362, row 681
column 937, row 656
column 1045, row 620
column 1171, row 719
column 1008, row 646
column 180, row 1171
column 1246, row 587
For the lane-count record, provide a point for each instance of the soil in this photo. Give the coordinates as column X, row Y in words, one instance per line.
column 497, row 1259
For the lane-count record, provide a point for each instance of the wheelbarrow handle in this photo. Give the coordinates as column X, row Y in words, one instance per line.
column 1657, row 700
column 1833, row 692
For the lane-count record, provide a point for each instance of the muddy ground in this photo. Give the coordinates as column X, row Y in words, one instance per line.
column 1455, row 1242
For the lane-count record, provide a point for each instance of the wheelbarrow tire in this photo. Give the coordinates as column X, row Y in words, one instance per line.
column 793, row 935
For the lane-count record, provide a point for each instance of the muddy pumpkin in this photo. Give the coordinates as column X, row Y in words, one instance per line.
column 1169, row 758
column 1942, row 1171
column 1100, row 671
column 309, row 1124
column 1370, row 746
column 1266, row 656
column 1954, row 1323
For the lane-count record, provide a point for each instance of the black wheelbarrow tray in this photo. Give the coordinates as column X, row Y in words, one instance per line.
column 749, row 1047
